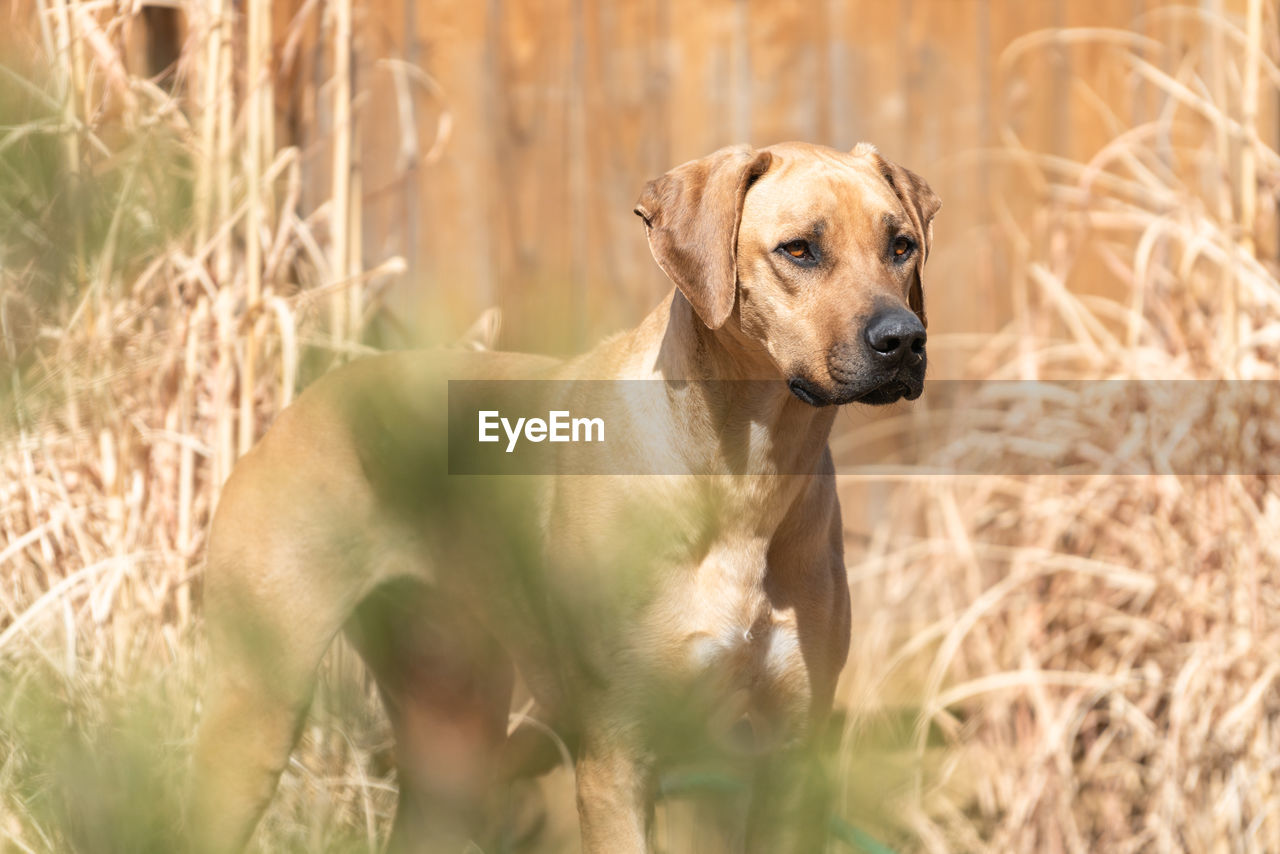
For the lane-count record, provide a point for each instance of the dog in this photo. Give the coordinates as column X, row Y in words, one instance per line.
column 719, row 585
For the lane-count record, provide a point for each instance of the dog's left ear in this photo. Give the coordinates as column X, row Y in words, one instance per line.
column 691, row 215
column 921, row 203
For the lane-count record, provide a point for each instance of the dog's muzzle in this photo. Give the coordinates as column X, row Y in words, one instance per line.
column 887, row 365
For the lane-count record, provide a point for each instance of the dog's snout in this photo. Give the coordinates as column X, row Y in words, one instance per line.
column 895, row 334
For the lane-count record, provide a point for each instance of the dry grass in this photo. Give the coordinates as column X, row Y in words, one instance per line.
column 1094, row 659
column 1100, row 653
column 159, row 289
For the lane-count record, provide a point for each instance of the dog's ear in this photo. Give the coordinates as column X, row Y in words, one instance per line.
column 921, row 203
column 691, row 215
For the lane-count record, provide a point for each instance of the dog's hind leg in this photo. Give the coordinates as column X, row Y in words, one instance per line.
column 446, row 685
column 248, row 729
column 267, row 633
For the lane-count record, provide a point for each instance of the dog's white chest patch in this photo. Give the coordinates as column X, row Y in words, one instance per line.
column 722, row 607
column 736, row 655
column 753, row 681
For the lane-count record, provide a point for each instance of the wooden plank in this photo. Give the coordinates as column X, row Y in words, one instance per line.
column 1022, row 106
column 943, row 132
column 1097, row 96
column 785, row 48
column 875, row 106
column 1268, row 229
column 626, row 90
column 386, row 143
column 532, row 51
column 709, row 92
column 837, row 60
column 451, row 232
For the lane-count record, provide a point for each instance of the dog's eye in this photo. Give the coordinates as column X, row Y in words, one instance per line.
column 797, row 249
column 902, row 248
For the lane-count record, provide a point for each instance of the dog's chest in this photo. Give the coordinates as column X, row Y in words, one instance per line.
column 684, row 564
column 715, row 622
column 720, row 643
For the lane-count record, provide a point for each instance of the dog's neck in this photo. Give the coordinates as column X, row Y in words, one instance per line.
column 691, row 351
column 737, row 388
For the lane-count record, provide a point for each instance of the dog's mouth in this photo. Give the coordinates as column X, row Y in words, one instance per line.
column 891, row 392
column 876, row 393
column 808, row 392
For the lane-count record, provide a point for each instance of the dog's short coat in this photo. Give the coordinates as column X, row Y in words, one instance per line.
column 797, row 267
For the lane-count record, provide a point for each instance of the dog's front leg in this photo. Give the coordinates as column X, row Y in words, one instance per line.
column 615, row 796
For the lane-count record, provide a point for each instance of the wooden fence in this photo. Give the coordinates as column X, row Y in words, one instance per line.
column 500, row 144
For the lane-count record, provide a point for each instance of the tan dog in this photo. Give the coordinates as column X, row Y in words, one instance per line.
column 635, row 608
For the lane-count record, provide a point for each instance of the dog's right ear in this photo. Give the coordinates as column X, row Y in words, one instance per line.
column 691, row 216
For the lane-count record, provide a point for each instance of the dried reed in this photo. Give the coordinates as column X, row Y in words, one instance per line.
column 151, row 329
column 1095, row 657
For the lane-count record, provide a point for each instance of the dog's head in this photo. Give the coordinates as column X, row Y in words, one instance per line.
column 812, row 255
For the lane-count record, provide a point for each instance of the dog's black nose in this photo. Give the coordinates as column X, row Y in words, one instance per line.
column 895, row 333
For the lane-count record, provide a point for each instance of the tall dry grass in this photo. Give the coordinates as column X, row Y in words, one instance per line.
column 162, row 294
column 1040, row 664
column 1096, row 657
